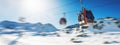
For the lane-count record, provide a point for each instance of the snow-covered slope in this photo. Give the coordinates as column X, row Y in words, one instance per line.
column 101, row 25
column 86, row 38
column 27, row 26
column 104, row 32
column 10, row 27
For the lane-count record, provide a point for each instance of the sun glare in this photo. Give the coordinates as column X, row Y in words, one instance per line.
column 36, row 10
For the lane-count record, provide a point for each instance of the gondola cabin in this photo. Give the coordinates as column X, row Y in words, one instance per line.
column 63, row 21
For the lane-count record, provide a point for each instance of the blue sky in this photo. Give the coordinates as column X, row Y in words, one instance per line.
column 50, row 11
column 100, row 9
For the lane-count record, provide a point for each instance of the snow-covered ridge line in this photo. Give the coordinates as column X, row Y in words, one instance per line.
column 107, row 24
column 108, row 34
column 28, row 26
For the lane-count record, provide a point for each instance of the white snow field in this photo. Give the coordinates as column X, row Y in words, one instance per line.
column 109, row 38
column 104, row 32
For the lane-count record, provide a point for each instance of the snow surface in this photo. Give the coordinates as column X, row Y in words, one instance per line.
column 47, row 34
column 26, row 38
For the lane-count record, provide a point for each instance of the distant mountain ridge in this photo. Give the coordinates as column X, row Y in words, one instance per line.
column 28, row 26
column 101, row 25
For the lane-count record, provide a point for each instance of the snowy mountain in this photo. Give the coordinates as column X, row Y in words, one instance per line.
column 105, row 31
column 26, row 26
column 107, row 24
column 9, row 24
column 10, row 27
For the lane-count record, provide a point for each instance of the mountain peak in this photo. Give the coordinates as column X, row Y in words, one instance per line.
column 107, row 24
column 28, row 26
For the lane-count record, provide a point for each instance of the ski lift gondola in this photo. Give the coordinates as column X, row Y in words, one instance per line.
column 85, row 15
column 63, row 20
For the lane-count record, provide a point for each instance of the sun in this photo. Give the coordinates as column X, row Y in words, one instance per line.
column 36, row 10
column 36, row 5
